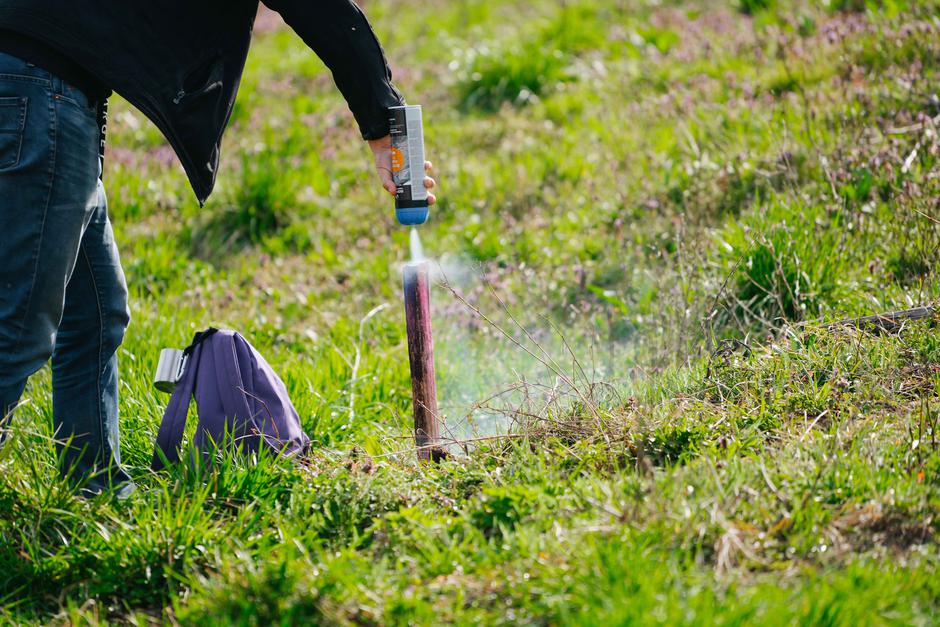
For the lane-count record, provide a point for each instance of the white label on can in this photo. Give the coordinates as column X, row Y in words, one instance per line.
column 408, row 154
column 416, row 152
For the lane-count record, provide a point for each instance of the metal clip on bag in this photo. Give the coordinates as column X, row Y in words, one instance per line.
column 238, row 396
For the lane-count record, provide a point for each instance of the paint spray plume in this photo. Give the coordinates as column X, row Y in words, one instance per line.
column 417, row 250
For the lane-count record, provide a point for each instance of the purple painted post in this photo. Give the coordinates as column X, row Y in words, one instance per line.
column 421, row 356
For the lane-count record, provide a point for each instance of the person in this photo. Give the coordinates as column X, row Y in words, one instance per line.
column 62, row 290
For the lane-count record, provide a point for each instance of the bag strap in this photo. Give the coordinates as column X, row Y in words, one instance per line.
column 173, row 425
column 229, row 377
column 198, row 339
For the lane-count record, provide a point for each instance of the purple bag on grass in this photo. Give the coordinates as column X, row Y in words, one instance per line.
column 237, row 393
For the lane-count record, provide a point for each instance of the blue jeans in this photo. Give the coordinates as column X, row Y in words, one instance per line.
column 62, row 289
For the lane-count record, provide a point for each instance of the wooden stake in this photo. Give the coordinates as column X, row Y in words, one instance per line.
column 889, row 321
column 421, row 355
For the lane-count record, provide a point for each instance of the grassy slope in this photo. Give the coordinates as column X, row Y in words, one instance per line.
column 650, row 179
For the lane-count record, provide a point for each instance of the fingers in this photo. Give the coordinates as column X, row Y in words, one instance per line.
column 429, row 183
column 385, row 176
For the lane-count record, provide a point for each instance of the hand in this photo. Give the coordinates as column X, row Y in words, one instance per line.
column 382, row 149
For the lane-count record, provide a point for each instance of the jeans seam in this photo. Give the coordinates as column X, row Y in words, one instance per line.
column 98, row 367
column 54, row 133
column 26, row 79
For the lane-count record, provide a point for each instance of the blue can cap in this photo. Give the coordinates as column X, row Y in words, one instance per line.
column 410, row 216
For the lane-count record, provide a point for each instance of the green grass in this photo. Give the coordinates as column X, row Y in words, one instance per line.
column 673, row 200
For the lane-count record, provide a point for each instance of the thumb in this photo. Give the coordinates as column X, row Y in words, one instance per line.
column 387, row 182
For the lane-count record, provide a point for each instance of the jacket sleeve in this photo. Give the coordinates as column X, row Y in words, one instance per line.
column 339, row 33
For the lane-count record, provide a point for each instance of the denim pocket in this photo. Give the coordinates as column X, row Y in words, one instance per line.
column 12, row 123
column 77, row 98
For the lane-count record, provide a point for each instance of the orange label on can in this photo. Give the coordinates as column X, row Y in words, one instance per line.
column 398, row 160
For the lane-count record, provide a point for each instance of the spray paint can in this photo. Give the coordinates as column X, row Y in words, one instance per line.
column 411, row 198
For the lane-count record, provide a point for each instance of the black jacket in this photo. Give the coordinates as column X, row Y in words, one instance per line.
column 180, row 61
